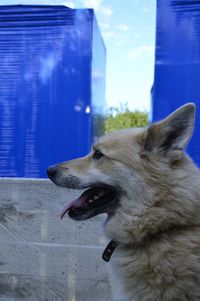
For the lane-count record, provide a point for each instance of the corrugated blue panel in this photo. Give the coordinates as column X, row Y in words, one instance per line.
column 98, row 81
column 177, row 64
column 45, row 87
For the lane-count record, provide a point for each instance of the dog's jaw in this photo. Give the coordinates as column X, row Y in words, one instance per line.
column 95, row 200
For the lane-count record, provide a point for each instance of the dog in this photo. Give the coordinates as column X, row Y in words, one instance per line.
column 150, row 189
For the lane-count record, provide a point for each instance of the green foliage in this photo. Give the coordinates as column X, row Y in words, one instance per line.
column 122, row 118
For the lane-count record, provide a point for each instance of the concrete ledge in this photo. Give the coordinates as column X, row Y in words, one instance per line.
column 43, row 257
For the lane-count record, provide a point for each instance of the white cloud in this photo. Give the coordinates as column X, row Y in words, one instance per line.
column 122, row 41
column 136, row 2
column 147, row 8
column 92, row 3
column 106, row 10
column 122, row 27
column 136, row 35
column 144, row 5
column 104, row 26
column 98, row 6
column 109, row 34
column 69, row 4
column 118, row 39
column 141, row 51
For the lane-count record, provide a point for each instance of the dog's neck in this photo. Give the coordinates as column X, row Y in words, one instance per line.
column 113, row 244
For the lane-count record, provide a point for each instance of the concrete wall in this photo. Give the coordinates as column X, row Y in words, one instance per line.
column 43, row 257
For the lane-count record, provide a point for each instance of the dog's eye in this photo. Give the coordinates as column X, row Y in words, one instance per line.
column 97, row 155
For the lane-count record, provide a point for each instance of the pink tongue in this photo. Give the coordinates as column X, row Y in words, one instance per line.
column 74, row 204
column 78, row 202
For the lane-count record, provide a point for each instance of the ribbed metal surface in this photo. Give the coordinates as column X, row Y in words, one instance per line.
column 19, row 16
column 177, row 63
column 45, row 87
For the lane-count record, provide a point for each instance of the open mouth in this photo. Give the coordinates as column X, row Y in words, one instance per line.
column 93, row 201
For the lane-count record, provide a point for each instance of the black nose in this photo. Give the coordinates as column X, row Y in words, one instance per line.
column 51, row 171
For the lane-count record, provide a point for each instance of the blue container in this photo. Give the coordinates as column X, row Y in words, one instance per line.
column 177, row 62
column 52, row 86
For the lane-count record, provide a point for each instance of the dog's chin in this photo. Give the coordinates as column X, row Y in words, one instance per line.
column 94, row 201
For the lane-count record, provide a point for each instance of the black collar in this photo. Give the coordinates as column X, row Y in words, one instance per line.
column 107, row 253
column 113, row 244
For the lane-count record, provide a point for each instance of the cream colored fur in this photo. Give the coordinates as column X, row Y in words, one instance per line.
column 157, row 222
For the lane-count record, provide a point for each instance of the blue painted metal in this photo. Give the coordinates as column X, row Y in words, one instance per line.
column 48, row 62
column 177, row 62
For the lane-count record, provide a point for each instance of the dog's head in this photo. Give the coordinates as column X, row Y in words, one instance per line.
column 124, row 169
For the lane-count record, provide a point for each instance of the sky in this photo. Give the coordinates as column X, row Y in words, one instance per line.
column 128, row 30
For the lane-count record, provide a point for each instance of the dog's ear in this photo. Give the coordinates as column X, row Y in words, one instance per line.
column 172, row 133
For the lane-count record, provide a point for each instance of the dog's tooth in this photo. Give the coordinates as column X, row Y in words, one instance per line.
column 96, row 197
column 90, row 201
